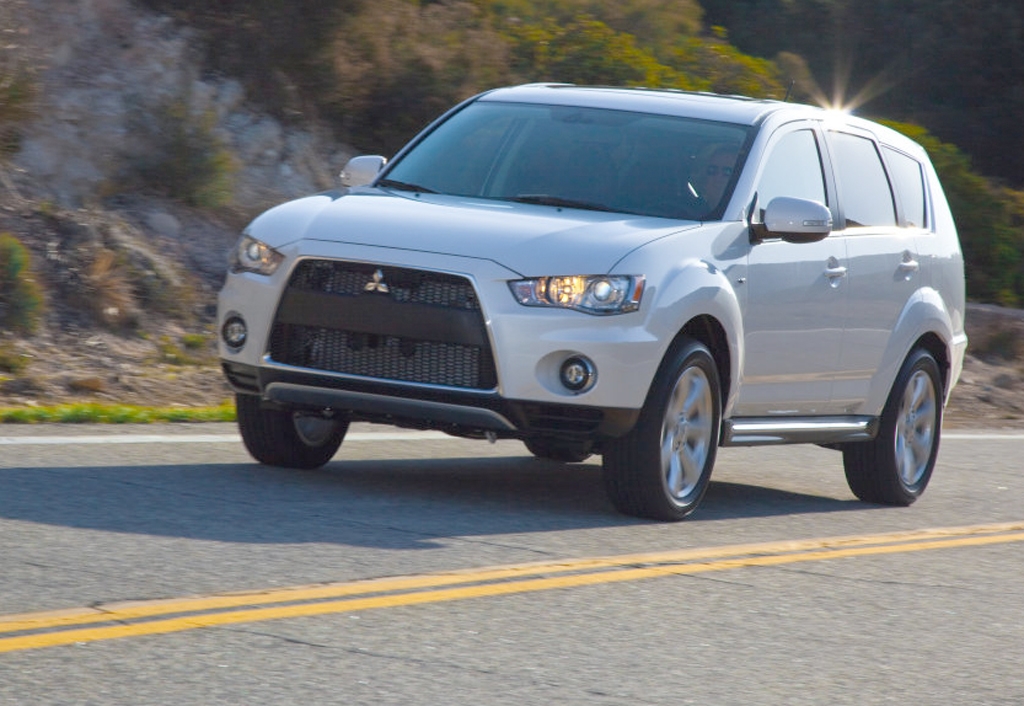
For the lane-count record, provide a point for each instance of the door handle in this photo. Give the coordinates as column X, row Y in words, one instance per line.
column 909, row 265
column 834, row 271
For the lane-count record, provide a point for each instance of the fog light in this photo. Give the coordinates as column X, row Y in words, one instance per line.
column 577, row 373
column 234, row 332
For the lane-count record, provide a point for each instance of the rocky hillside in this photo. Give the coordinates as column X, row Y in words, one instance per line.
column 127, row 175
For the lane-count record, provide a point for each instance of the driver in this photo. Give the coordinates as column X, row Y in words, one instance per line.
column 711, row 174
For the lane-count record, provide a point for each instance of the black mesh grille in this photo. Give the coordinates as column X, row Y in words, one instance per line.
column 383, row 322
column 402, row 285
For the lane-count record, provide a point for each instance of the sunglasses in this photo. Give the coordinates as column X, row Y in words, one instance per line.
column 714, row 170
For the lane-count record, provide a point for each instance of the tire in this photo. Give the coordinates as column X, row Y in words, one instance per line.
column 895, row 467
column 661, row 469
column 553, row 450
column 286, row 438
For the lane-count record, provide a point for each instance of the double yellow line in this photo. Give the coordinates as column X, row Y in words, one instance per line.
column 36, row 630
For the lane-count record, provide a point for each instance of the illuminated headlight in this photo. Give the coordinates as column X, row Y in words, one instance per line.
column 251, row 255
column 595, row 294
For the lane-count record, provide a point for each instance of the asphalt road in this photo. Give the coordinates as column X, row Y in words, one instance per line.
column 159, row 565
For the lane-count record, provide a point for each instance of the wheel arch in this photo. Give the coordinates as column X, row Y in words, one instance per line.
column 940, row 352
column 709, row 331
column 925, row 322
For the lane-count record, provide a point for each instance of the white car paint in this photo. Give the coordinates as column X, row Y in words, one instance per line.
column 812, row 334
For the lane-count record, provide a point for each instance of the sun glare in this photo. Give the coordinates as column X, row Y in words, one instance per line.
column 840, row 101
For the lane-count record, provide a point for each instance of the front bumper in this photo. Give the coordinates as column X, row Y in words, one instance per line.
column 457, row 412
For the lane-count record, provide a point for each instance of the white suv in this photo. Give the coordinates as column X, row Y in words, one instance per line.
column 641, row 274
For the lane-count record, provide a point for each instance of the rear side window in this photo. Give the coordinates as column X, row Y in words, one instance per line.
column 864, row 193
column 909, row 181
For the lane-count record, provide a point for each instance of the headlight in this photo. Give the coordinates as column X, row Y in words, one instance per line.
column 594, row 294
column 250, row 255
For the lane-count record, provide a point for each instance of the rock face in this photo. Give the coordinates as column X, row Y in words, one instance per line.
column 129, row 271
column 108, row 72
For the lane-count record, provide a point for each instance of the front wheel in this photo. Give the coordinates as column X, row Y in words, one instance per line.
column 662, row 467
column 287, row 438
column 895, row 467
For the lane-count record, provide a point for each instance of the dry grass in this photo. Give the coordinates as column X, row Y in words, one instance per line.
column 109, row 290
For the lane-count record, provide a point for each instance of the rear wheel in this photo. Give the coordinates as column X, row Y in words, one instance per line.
column 895, row 467
column 288, row 438
column 662, row 467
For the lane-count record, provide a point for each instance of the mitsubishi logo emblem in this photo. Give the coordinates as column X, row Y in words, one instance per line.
column 377, row 284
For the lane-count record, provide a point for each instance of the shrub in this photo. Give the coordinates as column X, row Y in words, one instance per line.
column 175, row 355
column 195, row 341
column 187, row 161
column 12, row 361
column 87, row 384
column 17, row 82
column 21, row 298
column 422, row 59
column 16, row 92
column 588, row 51
column 108, row 289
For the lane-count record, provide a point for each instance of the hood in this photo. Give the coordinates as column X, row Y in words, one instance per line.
column 527, row 239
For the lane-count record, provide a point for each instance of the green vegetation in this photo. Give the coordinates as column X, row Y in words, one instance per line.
column 17, row 92
column 379, row 70
column 21, row 298
column 188, row 161
column 197, row 341
column 955, row 67
column 195, row 349
column 116, row 414
column 989, row 219
column 12, row 362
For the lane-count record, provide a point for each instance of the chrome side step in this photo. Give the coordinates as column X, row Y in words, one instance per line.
column 755, row 431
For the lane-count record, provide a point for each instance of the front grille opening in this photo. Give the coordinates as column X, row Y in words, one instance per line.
column 389, row 357
column 383, row 322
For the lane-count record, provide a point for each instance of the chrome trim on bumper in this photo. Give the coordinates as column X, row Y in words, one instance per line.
column 754, row 431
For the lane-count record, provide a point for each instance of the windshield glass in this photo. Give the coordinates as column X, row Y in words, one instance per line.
column 652, row 165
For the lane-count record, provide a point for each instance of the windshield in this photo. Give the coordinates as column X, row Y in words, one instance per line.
column 609, row 160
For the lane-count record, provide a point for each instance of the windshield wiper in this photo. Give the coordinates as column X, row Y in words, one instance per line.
column 548, row 200
column 405, row 186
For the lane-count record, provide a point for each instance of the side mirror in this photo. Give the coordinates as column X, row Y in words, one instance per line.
column 360, row 171
column 797, row 220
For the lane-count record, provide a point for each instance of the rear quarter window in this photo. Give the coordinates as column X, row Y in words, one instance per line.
column 908, row 178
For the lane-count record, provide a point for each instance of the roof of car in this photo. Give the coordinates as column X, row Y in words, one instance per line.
column 709, row 106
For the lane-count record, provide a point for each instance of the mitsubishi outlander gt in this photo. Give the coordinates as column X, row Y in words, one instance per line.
column 646, row 275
